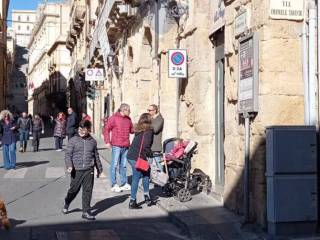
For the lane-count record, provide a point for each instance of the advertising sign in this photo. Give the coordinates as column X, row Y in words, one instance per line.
column 240, row 23
column 287, row 9
column 177, row 63
column 248, row 74
column 94, row 74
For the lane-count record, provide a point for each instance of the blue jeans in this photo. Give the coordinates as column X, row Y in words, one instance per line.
column 23, row 137
column 136, row 175
column 119, row 156
column 9, row 155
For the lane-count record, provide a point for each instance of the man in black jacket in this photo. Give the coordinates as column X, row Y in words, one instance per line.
column 24, row 126
column 71, row 123
column 81, row 157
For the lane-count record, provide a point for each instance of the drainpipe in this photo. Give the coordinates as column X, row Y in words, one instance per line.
column 305, row 71
column 312, row 62
column 156, row 47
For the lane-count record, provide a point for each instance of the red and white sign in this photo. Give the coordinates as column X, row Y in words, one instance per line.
column 177, row 63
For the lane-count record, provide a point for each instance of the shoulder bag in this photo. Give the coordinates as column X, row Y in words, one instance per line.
column 142, row 164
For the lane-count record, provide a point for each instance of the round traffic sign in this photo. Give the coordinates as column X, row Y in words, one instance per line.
column 177, row 58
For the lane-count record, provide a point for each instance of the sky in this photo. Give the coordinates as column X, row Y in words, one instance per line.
column 24, row 5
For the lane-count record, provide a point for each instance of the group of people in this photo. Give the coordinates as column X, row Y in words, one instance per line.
column 82, row 155
column 24, row 126
column 146, row 143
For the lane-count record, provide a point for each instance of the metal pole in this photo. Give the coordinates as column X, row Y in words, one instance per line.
column 312, row 62
column 305, row 72
column 246, row 168
column 318, row 70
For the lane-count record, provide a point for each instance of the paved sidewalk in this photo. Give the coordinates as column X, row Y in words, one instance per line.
column 203, row 217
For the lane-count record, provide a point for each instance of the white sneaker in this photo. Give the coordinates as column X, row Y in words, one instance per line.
column 125, row 187
column 116, row 188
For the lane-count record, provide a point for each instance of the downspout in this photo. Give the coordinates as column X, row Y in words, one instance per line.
column 156, row 47
column 305, row 71
column 312, row 62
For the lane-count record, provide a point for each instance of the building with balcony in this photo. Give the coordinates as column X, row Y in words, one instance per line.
column 49, row 60
column 83, row 16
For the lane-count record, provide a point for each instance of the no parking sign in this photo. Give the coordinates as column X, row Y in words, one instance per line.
column 177, row 63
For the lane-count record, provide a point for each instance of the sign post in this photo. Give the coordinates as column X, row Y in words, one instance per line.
column 177, row 63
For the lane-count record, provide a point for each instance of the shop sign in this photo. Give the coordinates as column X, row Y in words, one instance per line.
column 248, row 74
column 240, row 24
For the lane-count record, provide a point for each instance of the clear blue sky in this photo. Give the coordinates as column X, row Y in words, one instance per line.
column 25, row 5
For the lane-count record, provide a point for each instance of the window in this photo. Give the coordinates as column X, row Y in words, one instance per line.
column 28, row 27
column 19, row 18
column 19, row 27
column 28, row 18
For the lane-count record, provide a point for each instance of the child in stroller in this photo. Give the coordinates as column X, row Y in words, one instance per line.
column 178, row 154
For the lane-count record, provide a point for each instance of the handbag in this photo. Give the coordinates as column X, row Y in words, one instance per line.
column 142, row 164
column 157, row 176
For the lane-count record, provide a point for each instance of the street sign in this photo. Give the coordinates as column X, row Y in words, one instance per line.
column 248, row 87
column 94, row 74
column 287, row 9
column 177, row 63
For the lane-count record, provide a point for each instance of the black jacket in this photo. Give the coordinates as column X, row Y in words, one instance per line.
column 82, row 153
column 133, row 152
column 71, row 123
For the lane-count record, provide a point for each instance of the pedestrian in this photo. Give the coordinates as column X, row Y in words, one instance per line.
column 8, row 139
column 141, row 148
column 157, row 125
column 71, row 123
column 120, row 126
column 81, row 158
column 59, row 132
column 37, row 128
column 85, row 116
column 24, row 125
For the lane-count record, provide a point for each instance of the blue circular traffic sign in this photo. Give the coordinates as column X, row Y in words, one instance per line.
column 177, row 58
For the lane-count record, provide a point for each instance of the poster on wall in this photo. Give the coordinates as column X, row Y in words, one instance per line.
column 248, row 86
column 287, row 9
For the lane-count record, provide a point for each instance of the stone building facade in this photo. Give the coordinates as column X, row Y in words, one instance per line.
column 4, row 4
column 204, row 106
column 49, row 60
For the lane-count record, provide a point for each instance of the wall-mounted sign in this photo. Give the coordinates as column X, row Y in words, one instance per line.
column 287, row 9
column 240, row 23
column 94, row 74
column 218, row 18
column 177, row 63
column 248, row 88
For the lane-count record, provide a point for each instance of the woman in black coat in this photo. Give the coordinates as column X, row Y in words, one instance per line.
column 142, row 139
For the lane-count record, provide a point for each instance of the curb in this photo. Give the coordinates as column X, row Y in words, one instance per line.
column 172, row 218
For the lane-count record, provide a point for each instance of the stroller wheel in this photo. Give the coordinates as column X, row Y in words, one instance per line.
column 184, row 195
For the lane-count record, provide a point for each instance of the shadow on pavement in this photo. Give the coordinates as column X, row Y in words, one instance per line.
column 103, row 205
column 30, row 164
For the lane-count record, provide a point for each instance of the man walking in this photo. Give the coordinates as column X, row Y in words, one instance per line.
column 157, row 124
column 71, row 123
column 81, row 158
column 120, row 126
column 24, row 127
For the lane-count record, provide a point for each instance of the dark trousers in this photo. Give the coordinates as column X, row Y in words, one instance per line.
column 84, row 178
column 36, row 140
column 70, row 135
column 58, row 142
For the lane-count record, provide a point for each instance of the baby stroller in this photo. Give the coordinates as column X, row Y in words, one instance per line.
column 181, row 180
